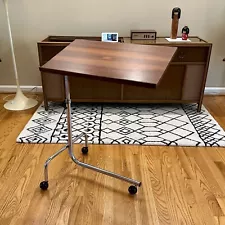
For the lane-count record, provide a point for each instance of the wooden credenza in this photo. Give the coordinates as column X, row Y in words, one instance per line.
column 183, row 82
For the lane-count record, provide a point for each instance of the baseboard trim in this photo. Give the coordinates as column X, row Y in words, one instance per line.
column 27, row 88
column 214, row 91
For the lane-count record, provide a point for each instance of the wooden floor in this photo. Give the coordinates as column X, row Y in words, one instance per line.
column 180, row 185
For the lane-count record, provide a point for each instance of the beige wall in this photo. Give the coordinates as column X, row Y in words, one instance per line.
column 33, row 20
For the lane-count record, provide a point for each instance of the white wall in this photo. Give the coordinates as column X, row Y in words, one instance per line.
column 33, row 20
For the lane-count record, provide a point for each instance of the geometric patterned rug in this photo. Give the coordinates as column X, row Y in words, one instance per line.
column 139, row 124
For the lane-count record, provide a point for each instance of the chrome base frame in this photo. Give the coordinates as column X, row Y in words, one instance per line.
column 69, row 146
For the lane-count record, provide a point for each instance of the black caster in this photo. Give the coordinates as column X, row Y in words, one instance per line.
column 44, row 185
column 84, row 150
column 132, row 190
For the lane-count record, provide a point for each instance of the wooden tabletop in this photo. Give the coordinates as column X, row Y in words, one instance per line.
column 119, row 61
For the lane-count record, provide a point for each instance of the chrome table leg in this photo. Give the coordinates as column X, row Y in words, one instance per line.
column 44, row 184
column 132, row 189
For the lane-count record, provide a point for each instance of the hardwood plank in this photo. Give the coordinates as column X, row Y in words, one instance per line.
column 146, row 164
column 178, row 182
column 221, row 167
column 210, row 198
column 180, row 185
column 160, row 198
column 220, row 220
column 221, row 202
column 207, row 189
column 204, row 211
column 221, row 153
column 205, row 172
column 108, row 203
column 94, row 186
column 215, row 170
column 185, row 175
column 137, row 170
column 198, row 177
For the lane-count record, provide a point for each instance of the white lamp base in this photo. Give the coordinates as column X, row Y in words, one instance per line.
column 20, row 102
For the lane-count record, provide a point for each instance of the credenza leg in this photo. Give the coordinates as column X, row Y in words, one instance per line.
column 199, row 107
column 46, row 104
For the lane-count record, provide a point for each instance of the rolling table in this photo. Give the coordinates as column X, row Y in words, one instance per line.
column 139, row 64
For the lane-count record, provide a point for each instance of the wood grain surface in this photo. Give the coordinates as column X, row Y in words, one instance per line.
column 127, row 62
column 181, row 185
column 174, row 28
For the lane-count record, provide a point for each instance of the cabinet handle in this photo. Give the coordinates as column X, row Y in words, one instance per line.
column 181, row 56
column 224, row 59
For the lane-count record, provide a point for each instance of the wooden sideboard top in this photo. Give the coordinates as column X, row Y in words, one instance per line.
column 159, row 40
column 69, row 39
column 162, row 41
column 128, row 62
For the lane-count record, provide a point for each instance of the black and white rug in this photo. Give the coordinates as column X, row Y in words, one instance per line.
column 150, row 124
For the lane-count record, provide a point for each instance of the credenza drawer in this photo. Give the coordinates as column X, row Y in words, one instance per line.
column 191, row 54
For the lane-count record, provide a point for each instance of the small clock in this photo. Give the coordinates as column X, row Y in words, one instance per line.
column 110, row 37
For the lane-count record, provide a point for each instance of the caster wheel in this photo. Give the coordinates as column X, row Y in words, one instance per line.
column 44, row 185
column 132, row 190
column 84, row 150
